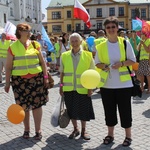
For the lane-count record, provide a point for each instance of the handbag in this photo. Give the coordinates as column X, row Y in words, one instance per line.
column 64, row 118
column 136, row 89
column 51, row 80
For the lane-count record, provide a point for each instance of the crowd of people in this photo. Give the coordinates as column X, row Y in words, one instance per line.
column 26, row 65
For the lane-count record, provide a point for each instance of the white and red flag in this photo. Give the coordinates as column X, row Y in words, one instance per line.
column 81, row 13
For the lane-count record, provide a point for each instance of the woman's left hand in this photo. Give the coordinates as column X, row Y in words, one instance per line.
column 46, row 82
column 90, row 92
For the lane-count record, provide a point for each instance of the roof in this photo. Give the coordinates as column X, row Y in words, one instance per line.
column 134, row 1
column 61, row 3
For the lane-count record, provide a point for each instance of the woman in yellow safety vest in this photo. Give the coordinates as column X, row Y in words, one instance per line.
column 26, row 69
column 77, row 98
column 144, row 61
column 116, row 85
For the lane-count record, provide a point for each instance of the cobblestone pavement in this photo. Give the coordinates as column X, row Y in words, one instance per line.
column 57, row 139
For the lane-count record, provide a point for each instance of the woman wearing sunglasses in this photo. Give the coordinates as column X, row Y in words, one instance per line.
column 26, row 69
column 115, row 85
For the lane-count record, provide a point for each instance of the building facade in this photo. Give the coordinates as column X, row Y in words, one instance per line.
column 18, row 11
column 60, row 14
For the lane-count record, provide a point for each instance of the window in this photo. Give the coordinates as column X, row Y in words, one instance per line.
column 78, row 27
column 133, row 13
column 87, row 10
column 56, row 15
column 121, row 24
column 143, row 13
column 112, row 11
column 121, row 11
column 56, row 28
column 68, row 27
column 68, row 14
column 99, row 25
column 4, row 18
column 11, row 11
column 99, row 12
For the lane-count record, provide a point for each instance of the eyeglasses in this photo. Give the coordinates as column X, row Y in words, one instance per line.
column 110, row 27
column 27, row 31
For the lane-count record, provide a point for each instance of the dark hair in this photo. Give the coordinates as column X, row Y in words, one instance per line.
column 33, row 37
column 111, row 20
column 63, row 39
column 21, row 27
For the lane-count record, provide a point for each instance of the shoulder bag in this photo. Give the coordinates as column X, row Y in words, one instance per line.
column 136, row 90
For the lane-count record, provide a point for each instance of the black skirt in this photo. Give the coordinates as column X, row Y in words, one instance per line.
column 79, row 106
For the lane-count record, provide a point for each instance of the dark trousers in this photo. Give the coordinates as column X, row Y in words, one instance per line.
column 117, row 98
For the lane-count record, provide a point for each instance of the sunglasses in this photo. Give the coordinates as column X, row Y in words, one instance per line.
column 110, row 27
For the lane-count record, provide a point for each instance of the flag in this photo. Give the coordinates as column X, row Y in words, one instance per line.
column 81, row 13
column 45, row 37
column 10, row 28
column 136, row 25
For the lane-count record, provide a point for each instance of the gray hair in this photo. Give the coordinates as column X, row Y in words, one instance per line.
column 76, row 35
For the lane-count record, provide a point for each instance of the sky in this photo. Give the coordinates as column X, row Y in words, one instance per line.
column 45, row 4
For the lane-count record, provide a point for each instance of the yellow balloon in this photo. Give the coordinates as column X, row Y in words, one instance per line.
column 90, row 79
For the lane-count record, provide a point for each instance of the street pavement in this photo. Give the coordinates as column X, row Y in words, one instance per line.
column 57, row 138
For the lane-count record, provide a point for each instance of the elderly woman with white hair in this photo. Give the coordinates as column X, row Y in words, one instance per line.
column 77, row 98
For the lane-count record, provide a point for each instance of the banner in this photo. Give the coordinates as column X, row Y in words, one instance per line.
column 10, row 28
column 45, row 37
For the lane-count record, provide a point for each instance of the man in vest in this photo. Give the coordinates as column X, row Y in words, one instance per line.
column 101, row 37
column 4, row 44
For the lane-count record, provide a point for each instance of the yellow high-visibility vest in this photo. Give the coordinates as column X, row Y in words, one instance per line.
column 25, row 60
column 103, row 55
column 4, row 47
column 99, row 40
column 143, row 53
column 83, row 65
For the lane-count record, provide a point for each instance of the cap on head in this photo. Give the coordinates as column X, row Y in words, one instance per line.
column 38, row 33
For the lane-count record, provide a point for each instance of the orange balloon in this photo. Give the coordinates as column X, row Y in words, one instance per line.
column 15, row 114
column 135, row 66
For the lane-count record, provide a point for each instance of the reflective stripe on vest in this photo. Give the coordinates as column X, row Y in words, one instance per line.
column 25, row 67
column 103, row 55
column 25, row 60
column 68, row 78
column 24, row 57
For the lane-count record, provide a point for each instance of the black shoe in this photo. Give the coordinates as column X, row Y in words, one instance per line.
column 145, row 86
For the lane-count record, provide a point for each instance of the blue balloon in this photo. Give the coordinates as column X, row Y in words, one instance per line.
column 90, row 40
column 49, row 59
